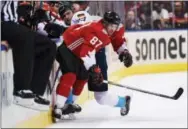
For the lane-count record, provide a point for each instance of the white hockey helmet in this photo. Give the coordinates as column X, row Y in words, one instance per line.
column 81, row 17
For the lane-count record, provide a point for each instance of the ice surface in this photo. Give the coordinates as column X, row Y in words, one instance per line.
column 146, row 111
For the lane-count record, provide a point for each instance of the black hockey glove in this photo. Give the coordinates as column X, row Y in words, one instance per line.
column 95, row 75
column 126, row 58
column 24, row 15
column 54, row 30
column 39, row 16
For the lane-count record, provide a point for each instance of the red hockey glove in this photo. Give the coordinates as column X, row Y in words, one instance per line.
column 95, row 75
column 126, row 58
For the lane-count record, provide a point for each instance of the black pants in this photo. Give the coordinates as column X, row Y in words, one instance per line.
column 33, row 56
column 71, row 63
column 102, row 62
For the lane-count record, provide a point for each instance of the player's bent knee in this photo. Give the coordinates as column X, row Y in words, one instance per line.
column 100, row 97
column 99, row 101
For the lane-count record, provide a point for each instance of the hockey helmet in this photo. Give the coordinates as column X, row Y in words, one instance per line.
column 64, row 7
column 111, row 17
column 40, row 15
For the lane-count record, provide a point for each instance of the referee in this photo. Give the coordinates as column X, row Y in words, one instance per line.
column 33, row 56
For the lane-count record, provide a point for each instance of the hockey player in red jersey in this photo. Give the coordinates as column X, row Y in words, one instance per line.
column 77, row 59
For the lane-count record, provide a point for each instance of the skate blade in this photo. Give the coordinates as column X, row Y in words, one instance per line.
column 31, row 107
column 41, row 107
column 123, row 112
column 70, row 116
column 65, row 118
column 24, row 102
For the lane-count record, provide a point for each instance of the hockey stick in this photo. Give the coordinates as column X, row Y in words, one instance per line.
column 49, row 87
column 56, row 75
column 175, row 97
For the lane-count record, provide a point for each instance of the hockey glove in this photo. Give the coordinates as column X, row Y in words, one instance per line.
column 126, row 58
column 54, row 30
column 95, row 75
column 24, row 14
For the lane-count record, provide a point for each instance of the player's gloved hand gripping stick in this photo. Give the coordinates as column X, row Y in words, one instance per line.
column 95, row 75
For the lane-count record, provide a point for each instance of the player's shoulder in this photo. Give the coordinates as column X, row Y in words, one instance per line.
column 96, row 25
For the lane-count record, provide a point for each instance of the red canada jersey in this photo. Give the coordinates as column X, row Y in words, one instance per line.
column 82, row 39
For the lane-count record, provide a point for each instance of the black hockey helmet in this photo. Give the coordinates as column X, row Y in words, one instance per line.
column 64, row 7
column 111, row 17
column 40, row 15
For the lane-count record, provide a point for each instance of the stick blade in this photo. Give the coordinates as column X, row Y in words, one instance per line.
column 178, row 93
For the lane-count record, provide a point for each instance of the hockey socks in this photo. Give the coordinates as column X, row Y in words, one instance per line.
column 70, row 98
column 64, row 92
column 121, row 102
column 105, row 98
column 78, row 87
column 64, row 88
column 74, row 93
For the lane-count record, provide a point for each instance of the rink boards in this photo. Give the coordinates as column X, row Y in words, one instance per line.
column 153, row 52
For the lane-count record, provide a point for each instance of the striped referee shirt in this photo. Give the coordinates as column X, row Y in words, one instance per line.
column 9, row 11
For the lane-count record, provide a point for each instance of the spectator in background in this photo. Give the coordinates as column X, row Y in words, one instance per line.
column 166, row 5
column 80, row 6
column 132, row 22
column 144, row 14
column 180, row 15
column 160, row 16
column 186, row 6
column 129, row 5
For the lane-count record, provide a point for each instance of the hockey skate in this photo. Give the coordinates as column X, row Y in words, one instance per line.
column 77, row 108
column 41, row 103
column 125, row 110
column 65, row 113
column 26, row 99
column 41, row 100
column 23, row 98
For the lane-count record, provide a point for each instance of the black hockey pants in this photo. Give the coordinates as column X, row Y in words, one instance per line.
column 33, row 56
